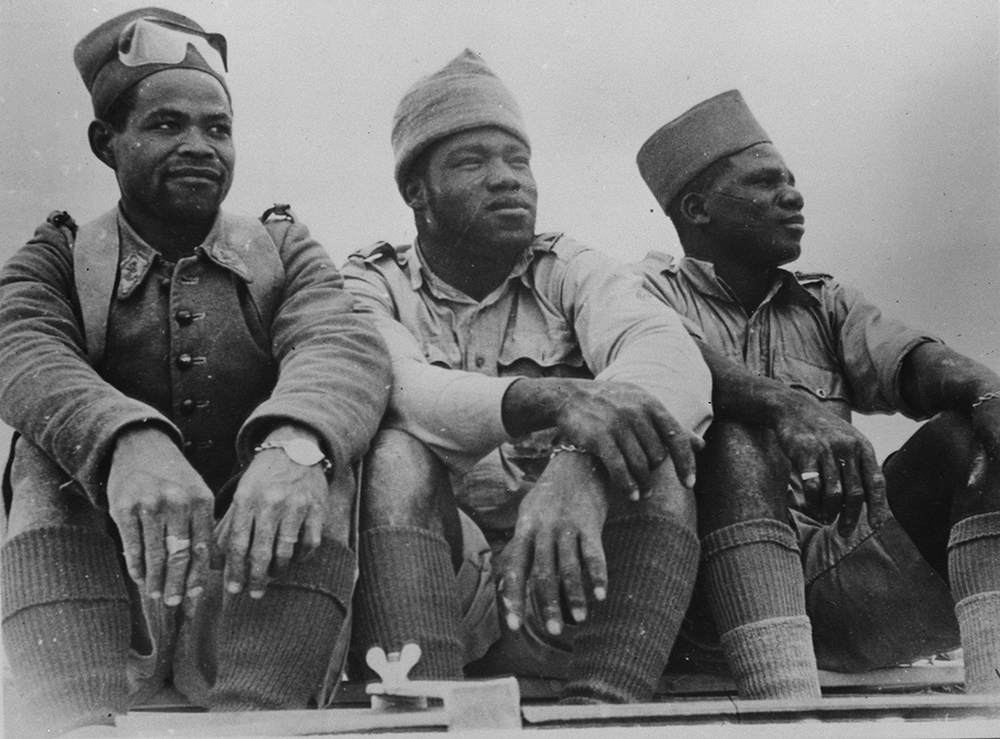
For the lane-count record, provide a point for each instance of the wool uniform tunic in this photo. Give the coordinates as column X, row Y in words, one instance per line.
column 189, row 350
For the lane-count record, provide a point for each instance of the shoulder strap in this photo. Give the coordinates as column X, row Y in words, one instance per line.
column 95, row 267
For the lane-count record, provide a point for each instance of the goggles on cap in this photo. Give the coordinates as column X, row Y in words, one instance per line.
column 159, row 41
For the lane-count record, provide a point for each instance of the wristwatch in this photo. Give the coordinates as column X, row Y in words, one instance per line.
column 301, row 451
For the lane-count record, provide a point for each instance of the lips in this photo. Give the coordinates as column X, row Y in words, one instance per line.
column 196, row 173
column 796, row 220
column 508, row 204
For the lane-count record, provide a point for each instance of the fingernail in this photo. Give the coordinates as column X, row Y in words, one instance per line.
column 579, row 614
column 600, row 593
column 513, row 622
column 553, row 627
column 155, row 595
column 195, row 592
column 689, row 481
column 172, row 600
column 234, row 587
column 256, row 594
column 507, row 604
column 634, row 495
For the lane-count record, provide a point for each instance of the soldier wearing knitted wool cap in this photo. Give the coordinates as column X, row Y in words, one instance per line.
column 811, row 553
column 525, row 420
column 183, row 382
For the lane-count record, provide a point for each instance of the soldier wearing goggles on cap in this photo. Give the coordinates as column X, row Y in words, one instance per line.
column 184, row 383
column 854, row 567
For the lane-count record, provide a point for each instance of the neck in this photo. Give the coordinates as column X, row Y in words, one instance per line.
column 749, row 283
column 476, row 270
column 171, row 238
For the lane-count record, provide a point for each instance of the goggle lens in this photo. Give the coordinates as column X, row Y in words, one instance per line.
column 157, row 41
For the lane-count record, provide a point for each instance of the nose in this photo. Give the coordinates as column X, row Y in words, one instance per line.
column 196, row 144
column 791, row 199
column 501, row 176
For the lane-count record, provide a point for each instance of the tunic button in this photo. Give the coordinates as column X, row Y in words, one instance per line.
column 184, row 361
column 480, row 361
column 165, row 285
column 821, row 392
column 187, row 407
column 184, row 317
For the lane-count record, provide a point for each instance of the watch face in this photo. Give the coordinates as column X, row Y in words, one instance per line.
column 303, row 452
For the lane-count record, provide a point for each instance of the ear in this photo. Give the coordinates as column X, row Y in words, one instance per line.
column 101, row 135
column 693, row 209
column 415, row 192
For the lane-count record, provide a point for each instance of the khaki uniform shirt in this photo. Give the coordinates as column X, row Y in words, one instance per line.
column 810, row 332
column 565, row 310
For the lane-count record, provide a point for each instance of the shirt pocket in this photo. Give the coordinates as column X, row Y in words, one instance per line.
column 442, row 357
column 823, row 383
column 550, row 353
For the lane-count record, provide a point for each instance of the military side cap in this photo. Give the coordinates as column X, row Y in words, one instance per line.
column 132, row 46
column 715, row 128
column 462, row 95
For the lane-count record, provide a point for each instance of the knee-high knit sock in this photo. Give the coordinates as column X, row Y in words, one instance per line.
column 273, row 653
column 622, row 648
column 66, row 627
column 407, row 594
column 753, row 576
column 974, row 571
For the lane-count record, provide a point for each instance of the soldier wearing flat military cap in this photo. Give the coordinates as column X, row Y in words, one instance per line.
column 813, row 555
column 183, row 383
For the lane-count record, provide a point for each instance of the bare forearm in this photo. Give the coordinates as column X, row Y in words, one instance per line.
column 934, row 378
column 739, row 394
column 531, row 404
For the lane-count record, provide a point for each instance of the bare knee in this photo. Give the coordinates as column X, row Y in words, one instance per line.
column 403, row 483
column 666, row 497
column 742, row 475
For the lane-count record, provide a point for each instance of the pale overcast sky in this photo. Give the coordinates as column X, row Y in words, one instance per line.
column 888, row 112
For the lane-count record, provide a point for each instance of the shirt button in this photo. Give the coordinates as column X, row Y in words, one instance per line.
column 184, row 317
column 187, row 407
column 480, row 361
column 821, row 392
column 184, row 361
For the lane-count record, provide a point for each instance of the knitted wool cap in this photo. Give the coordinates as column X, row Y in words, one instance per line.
column 106, row 77
column 715, row 128
column 462, row 95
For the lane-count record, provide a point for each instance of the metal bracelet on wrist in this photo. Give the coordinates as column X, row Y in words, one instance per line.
column 983, row 398
column 560, row 448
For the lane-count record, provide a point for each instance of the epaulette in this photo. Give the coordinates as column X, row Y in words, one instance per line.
column 278, row 212
column 380, row 249
column 812, row 276
column 548, row 240
column 64, row 222
column 663, row 262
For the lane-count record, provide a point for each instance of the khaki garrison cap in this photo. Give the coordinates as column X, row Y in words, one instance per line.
column 715, row 128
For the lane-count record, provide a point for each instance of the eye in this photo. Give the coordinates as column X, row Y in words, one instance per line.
column 222, row 130
column 468, row 161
